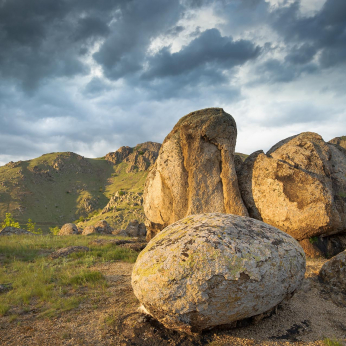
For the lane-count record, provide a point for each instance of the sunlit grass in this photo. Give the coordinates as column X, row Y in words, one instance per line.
column 52, row 285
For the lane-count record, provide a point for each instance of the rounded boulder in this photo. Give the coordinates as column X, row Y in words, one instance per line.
column 68, row 229
column 213, row 269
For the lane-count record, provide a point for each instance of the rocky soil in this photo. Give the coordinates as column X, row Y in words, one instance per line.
column 113, row 319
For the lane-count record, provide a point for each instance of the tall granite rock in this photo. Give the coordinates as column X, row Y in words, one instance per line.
column 298, row 186
column 195, row 171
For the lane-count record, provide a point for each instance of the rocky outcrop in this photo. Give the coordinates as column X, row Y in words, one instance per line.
column 297, row 186
column 119, row 156
column 214, row 269
column 341, row 141
column 68, row 229
column 130, row 198
column 194, row 172
column 139, row 158
column 14, row 231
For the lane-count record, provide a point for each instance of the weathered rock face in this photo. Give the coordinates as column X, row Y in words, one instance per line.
column 297, row 187
column 341, row 141
column 195, row 171
column 213, row 269
column 68, row 229
column 120, row 197
column 333, row 274
column 14, row 231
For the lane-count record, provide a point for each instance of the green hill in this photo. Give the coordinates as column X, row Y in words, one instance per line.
column 57, row 188
column 61, row 187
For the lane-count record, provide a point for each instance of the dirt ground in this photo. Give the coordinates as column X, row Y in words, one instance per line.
column 113, row 319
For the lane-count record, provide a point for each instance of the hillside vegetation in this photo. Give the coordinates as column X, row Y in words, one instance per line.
column 57, row 188
column 62, row 187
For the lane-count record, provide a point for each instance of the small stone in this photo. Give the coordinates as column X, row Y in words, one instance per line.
column 67, row 251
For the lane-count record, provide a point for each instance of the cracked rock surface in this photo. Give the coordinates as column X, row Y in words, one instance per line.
column 195, row 171
column 213, row 269
column 299, row 186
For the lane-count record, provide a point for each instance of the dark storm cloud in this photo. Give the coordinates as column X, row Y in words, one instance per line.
column 276, row 71
column 50, row 101
column 323, row 32
column 124, row 51
column 209, row 52
column 95, row 87
column 43, row 39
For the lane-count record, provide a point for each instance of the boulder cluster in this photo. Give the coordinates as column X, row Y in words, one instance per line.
column 133, row 229
column 224, row 233
column 298, row 186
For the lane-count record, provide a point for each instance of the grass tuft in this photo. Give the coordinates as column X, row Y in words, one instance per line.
column 49, row 285
column 331, row 342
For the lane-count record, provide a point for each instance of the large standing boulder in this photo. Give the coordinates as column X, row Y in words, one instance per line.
column 213, row 269
column 194, row 172
column 297, row 186
column 68, row 229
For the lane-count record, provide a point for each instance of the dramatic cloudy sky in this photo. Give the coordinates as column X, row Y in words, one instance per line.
column 90, row 76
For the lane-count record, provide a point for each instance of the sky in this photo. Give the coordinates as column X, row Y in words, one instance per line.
column 90, row 76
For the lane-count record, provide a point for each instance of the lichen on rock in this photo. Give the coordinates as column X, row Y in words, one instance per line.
column 213, row 269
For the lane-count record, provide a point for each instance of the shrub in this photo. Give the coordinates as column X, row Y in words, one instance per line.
column 9, row 221
column 54, row 230
column 31, row 227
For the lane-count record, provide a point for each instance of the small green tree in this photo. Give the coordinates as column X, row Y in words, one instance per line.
column 30, row 226
column 54, row 230
column 9, row 221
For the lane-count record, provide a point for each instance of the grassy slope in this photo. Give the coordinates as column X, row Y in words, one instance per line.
column 53, row 197
column 63, row 283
